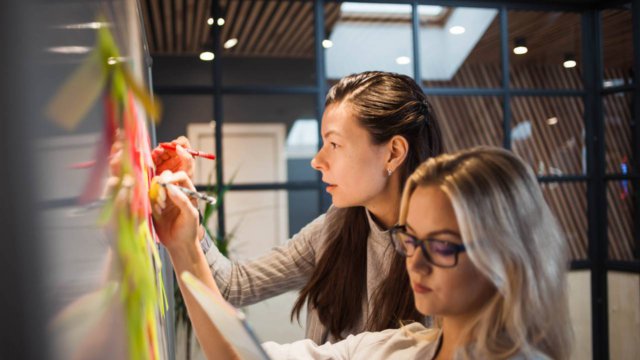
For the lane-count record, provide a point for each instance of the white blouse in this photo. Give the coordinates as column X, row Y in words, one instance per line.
column 400, row 344
column 389, row 344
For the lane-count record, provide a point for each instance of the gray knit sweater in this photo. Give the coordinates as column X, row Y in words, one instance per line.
column 289, row 267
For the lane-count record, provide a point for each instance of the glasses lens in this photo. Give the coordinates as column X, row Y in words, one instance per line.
column 441, row 253
column 404, row 244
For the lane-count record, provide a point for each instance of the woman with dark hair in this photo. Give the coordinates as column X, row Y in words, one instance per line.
column 376, row 129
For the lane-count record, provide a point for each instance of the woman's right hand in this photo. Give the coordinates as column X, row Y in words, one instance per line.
column 174, row 160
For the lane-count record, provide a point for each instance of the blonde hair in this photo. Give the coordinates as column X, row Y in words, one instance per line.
column 517, row 245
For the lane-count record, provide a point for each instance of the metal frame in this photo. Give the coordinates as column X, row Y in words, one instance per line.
column 596, row 188
column 635, row 126
column 592, row 94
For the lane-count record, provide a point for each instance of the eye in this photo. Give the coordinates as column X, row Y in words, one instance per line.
column 333, row 145
column 441, row 248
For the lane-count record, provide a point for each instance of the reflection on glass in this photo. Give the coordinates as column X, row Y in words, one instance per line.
column 545, row 50
column 617, row 46
column 460, row 47
column 548, row 133
column 267, row 42
column 618, row 110
column 263, row 135
column 180, row 110
column 568, row 202
column 468, row 121
column 621, row 217
column 368, row 36
column 181, row 71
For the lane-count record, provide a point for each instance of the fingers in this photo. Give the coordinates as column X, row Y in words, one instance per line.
column 177, row 178
column 182, row 141
column 174, row 160
column 182, row 202
column 173, row 164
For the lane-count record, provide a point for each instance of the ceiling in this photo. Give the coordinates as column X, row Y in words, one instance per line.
column 284, row 29
column 264, row 28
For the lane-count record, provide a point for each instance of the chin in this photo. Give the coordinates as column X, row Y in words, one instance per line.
column 342, row 203
column 424, row 307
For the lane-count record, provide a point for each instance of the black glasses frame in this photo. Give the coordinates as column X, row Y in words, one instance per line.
column 422, row 244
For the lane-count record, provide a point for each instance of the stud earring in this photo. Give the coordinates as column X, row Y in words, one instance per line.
column 389, row 172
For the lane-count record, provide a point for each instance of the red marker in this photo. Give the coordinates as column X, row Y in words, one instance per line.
column 171, row 146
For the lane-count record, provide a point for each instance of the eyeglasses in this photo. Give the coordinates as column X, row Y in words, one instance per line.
column 437, row 252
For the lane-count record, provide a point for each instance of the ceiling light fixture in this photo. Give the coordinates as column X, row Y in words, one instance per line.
column 230, row 43
column 520, row 46
column 210, row 21
column 326, row 43
column 569, row 61
column 207, row 56
column 220, row 22
column 552, row 120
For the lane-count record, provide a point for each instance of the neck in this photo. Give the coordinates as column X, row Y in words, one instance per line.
column 385, row 206
column 452, row 329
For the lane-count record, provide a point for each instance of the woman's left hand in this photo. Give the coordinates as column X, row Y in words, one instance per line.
column 176, row 221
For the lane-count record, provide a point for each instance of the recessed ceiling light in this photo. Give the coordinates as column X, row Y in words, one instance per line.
column 520, row 46
column 403, row 60
column 569, row 61
column 206, row 56
column 457, row 30
column 520, row 50
column 210, row 21
column 230, row 43
column 326, row 43
column 552, row 120
column 220, row 22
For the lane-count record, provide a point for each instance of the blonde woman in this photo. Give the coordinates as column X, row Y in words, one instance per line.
column 484, row 255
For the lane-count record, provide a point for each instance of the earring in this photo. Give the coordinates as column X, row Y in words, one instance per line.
column 389, row 172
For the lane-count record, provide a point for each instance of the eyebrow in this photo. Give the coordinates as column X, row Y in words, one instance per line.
column 330, row 132
column 439, row 232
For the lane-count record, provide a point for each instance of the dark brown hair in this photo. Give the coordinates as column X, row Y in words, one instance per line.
column 386, row 104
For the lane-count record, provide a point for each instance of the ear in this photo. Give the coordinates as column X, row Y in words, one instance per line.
column 398, row 149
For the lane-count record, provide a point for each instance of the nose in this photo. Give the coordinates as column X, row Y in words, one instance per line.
column 318, row 162
column 417, row 263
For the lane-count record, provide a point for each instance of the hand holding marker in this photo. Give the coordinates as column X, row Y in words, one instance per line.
column 154, row 190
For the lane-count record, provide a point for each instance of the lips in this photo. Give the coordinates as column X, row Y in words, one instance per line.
column 330, row 186
column 420, row 289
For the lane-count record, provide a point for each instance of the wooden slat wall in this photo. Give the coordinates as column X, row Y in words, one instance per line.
column 620, row 194
column 620, row 218
column 263, row 27
column 551, row 149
